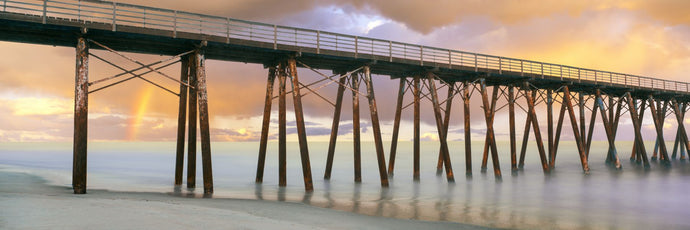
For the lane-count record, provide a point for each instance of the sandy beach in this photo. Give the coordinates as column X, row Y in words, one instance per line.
column 29, row 203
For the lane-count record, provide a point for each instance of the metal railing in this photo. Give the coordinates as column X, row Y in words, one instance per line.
column 119, row 14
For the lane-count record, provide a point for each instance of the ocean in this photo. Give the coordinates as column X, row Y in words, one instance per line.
column 606, row 198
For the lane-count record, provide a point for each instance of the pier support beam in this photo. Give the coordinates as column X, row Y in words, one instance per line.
column 192, row 124
column 549, row 121
column 581, row 106
column 282, row 130
column 613, row 119
column 334, row 127
column 489, row 112
column 376, row 127
column 357, row 147
column 204, row 127
column 416, row 135
column 301, row 130
column 81, row 112
column 439, row 126
column 181, row 120
column 525, row 135
column 468, row 134
column 355, row 78
column 559, row 127
column 638, row 147
column 446, row 123
column 592, row 120
column 537, row 132
column 511, row 121
column 610, row 135
column 263, row 142
column 573, row 122
column 661, row 114
column 682, row 138
column 396, row 127
column 285, row 69
column 489, row 139
column 659, row 125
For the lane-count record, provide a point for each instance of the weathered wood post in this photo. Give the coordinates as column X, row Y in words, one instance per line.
column 511, row 121
column 468, row 134
column 357, row 147
column 181, row 120
column 446, row 123
column 549, row 121
column 301, row 130
column 573, row 123
column 265, row 124
column 81, row 112
column 396, row 127
column 439, row 127
column 335, row 126
column 599, row 102
column 537, row 131
column 282, row 130
column 416, row 133
column 192, row 123
column 204, row 126
column 376, row 127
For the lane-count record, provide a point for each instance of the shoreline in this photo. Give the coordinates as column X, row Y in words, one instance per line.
column 29, row 203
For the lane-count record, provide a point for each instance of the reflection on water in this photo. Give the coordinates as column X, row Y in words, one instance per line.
column 632, row 198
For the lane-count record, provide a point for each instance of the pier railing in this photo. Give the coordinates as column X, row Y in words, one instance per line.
column 120, row 14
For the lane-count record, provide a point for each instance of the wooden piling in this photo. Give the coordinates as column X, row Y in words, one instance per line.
column 489, row 118
column 356, row 129
column 446, row 123
column 488, row 140
column 416, row 145
column 525, row 135
column 396, row 127
column 581, row 107
column 204, row 127
column 537, row 132
column 557, row 138
column 282, row 118
column 590, row 132
column 334, row 126
column 549, row 121
column 659, row 125
column 81, row 113
column 181, row 120
column 637, row 121
column 468, row 134
column 192, row 123
column 599, row 103
column 679, row 111
column 439, row 127
column 265, row 124
column 375, row 126
column 301, row 130
column 511, row 121
column 573, row 122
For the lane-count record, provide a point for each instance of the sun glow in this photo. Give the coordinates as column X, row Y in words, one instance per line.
column 135, row 121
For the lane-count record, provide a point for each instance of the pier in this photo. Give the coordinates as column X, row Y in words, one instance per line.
column 581, row 96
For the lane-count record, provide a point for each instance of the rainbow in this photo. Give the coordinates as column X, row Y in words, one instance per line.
column 135, row 120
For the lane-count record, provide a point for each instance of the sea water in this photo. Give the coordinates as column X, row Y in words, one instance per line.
column 606, row 198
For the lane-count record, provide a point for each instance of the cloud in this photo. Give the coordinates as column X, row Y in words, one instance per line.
column 636, row 37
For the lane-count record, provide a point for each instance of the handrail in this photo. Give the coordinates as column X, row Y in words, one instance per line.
column 122, row 14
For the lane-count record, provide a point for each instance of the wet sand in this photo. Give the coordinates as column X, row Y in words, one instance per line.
column 29, row 203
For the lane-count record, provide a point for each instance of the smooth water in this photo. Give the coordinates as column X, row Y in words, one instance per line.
column 632, row 198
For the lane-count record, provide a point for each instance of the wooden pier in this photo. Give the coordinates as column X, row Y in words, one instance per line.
column 501, row 82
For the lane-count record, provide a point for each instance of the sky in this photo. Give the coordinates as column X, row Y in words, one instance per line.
column 648, row 38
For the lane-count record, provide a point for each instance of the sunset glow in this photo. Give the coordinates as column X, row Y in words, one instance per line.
column 633, row 37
